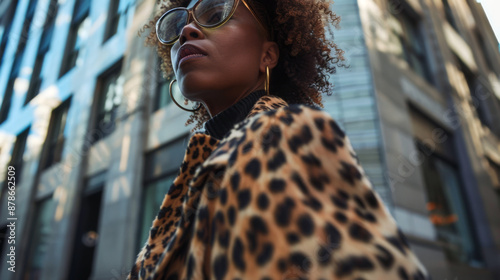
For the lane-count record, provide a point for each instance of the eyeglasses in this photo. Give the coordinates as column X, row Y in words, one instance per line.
column 210, row 14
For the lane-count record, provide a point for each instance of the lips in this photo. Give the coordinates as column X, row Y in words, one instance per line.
column 188, row 51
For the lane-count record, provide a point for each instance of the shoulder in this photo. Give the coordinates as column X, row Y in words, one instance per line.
column 297, row 124
column 298, row 130
column 294, row 166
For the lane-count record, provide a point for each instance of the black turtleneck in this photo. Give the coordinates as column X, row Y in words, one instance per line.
column 221, row 123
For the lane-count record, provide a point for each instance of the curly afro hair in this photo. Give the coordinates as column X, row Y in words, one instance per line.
column 303, row 31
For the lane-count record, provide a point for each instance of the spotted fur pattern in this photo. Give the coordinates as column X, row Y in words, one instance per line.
column 281, row 197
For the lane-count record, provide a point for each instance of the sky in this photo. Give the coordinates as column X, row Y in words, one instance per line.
column 492, row 8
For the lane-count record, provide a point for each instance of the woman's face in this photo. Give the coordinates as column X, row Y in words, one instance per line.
column 219, row 64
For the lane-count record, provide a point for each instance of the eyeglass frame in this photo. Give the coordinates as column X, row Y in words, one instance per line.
column 191, row 15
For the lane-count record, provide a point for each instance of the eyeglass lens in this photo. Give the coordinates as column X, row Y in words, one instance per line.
column 208, row 13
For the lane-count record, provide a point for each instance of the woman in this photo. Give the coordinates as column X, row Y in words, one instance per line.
column 270, row 190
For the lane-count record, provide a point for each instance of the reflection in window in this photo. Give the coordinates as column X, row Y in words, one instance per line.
column 40, row 238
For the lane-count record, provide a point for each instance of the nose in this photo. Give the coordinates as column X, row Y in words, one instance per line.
column 190, row 32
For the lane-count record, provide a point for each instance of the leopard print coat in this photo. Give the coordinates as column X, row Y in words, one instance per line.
column 282, row 196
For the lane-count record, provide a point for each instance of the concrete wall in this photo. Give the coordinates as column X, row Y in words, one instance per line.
column 397, row 88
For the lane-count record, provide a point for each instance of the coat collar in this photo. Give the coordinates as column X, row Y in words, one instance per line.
column 267, row 103
column 256, row 102
column 219, row 160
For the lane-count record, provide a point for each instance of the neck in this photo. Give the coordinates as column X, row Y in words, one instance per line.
column 220, row 124
column 224, row 100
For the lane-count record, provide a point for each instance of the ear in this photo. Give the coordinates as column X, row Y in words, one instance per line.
column 270, row 56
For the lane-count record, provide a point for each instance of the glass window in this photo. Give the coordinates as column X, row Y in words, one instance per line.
column 31, row 9
column 36, row 79
column 162, row 94
column 113, row 19
column 17, row 154
column 485, row 52
column 449, row 15
column 447, row 210
column 74, row 49
column 86, row 238
column 485, row 103
column 16, row 66
column 55, row 136
column 7, row 97
column 81, row 10
column 153, row 196
column 40, row 238
column 27, row 24
column 446, row 203
column 78, row 33
column 165, row 160
column 6, row 21
column 162, row 166
column 413, row 44
column 494, row 171
column 162, row 97
column 109, row 98
column 48, row 30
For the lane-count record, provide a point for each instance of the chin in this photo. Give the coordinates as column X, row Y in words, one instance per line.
column 195, row 86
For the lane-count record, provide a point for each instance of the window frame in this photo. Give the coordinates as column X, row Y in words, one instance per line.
column 7, row 100
column 449, row 15
column 36, row 79
column 408, row 18
column 18, row 153
column 81, row 12
column 161, row 82
column 102, row 88
column 55, row 140
column 11, row 12
column 72, row 52
column 444, row 155
column 113, row 20
column 31, row 249
column 151, row 179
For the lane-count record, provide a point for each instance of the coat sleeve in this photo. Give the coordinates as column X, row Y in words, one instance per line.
column 295, row 204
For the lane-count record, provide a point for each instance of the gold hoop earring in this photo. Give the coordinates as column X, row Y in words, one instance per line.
column 172, row 96
column 266, row 84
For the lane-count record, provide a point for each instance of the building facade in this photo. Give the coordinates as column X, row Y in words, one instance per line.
column 93, row 140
